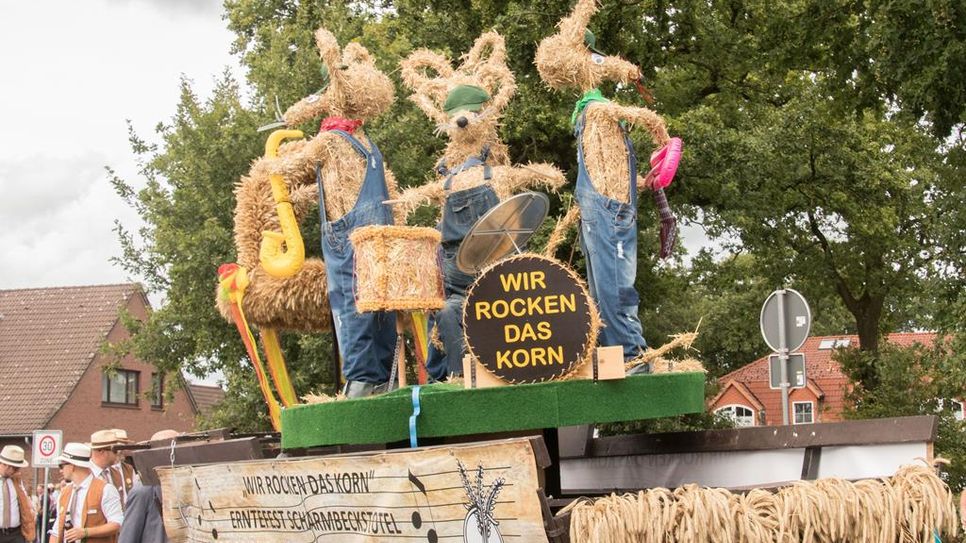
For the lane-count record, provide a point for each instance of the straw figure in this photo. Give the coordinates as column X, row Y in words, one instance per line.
column 474, row 173
column 607, row 180
column 349, row 169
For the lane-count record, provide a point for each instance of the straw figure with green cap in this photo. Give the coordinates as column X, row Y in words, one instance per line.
column 339, row 173
column 474, row 173
column 607, row 180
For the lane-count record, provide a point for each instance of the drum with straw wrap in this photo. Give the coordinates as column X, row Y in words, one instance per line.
column 397, row 268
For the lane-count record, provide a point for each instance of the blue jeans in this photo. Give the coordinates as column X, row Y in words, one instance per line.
column 366, row 340
column 608, row 239
column 460, row 213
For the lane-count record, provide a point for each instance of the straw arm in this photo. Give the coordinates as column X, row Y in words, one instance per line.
column 635, row 116
column 509, row 180
column 399, row 214
column 413, row 197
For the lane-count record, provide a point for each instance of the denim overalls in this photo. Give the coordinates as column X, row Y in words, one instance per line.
column 366, row 340
column 608, row 239
column 460, row 213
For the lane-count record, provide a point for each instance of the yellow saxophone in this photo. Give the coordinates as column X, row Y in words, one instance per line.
column 277, row 262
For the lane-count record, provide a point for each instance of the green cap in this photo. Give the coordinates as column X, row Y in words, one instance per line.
column 465, row 97
column 590, row 40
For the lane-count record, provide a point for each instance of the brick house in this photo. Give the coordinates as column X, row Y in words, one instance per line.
column 52, row 371
column 747, row 396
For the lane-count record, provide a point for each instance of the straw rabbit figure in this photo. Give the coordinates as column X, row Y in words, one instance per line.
column 356, row 91
column 607, row 179
column 474, row 173
column 470, row 130
column 564, row 62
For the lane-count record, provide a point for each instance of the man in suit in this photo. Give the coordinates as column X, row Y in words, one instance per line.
column 142, row 516
column 17, row 523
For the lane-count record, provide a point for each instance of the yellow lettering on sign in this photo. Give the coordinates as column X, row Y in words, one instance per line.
column 522, row 358
column 525, row 307
column 513, row 333
column 513, row 282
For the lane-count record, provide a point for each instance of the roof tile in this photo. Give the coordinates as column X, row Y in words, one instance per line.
column 48, row 338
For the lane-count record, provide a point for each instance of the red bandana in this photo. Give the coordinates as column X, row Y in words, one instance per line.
column 339, row 123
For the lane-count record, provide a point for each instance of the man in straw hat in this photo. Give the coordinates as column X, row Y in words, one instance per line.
column 17, row 523
column 89, row 509
column 106, row 463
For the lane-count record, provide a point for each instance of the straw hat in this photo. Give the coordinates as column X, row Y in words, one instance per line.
column 121, row 435
column 12, row 455
column 105, row 439
column 77, row 454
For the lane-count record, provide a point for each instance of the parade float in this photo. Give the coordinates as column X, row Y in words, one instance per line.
column 516, row 356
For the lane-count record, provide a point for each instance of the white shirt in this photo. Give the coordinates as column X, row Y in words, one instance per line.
column 14, row 505
column 110, row 503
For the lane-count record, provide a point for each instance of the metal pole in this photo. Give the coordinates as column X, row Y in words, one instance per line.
column 783, row 354
column 46, row 506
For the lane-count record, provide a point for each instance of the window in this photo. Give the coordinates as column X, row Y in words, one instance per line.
column 157, row 391
column 804, row 412
column 958, row 408
column 741, row 415
column 120, row 387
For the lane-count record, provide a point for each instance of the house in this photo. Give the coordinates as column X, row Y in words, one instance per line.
column 54, row 376
column 206, row 397
column 746, row 394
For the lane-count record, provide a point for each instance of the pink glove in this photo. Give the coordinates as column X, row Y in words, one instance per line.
column 664, row 164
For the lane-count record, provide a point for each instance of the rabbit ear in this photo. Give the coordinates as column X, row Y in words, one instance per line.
column 573, row 26
column 355, row 53
column 429, row 90
column 499, row 80
column 329, row 50
column 416, row 68
column 488, row 48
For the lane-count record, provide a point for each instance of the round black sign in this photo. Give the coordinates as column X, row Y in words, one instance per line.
column 528, row 319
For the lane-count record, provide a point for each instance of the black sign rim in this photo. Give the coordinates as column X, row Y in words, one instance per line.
column 590, row 338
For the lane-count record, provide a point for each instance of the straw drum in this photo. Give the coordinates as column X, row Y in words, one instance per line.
column 397, row 268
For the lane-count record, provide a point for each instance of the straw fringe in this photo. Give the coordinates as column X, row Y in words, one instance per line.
column 905, row 508
column 560, row 231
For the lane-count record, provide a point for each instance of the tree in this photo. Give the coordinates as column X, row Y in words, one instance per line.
column 816, row 174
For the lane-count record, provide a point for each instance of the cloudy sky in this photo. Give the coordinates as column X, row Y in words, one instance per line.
column 71, row 73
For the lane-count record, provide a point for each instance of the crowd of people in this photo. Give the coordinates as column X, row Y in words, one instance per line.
column 100, row 498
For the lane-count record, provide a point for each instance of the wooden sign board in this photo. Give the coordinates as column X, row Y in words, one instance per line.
column 527, row 319
column 484, row 492
column 609, row 362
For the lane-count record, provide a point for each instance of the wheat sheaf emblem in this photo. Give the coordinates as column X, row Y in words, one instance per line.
column 480, row 525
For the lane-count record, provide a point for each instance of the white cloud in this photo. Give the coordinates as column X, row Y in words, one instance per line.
column 69, row 84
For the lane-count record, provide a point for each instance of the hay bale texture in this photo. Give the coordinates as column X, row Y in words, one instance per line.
column 397, row 268
column 907, row 508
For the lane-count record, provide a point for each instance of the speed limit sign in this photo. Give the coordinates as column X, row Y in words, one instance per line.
column 46, row 448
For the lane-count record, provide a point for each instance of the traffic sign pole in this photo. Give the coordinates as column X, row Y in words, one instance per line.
column 783, row 354
column 46, row 506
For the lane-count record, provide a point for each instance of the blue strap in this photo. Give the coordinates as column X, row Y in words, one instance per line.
column 412, row 419
column 318, row 181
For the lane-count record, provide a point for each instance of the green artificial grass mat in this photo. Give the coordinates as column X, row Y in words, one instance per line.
column 450, row 410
